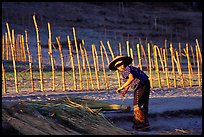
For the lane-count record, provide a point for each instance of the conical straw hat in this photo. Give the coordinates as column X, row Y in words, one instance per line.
column 125, row 59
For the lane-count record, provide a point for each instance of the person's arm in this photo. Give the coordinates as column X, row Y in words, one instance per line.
column 127, row 83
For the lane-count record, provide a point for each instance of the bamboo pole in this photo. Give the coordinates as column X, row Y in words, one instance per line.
column 104, row 69
column 72, row 61
column 78, row 59
column 166, row 69
column 84, row 66
column 13, row 41
column 7, row 46
column 179, row 69
column 139, row 56
column 39, row 56
column 172, row 61
column 4, row 79
column 111, row 51
column 192, row 52
column 150, row 67
column 3, row 46
column 132, row 56
column 128, row 48
column 14, row 63
column 62, row 61
column 157, row 66
column 120, row 49
column 199, row 52
column 189, row 66
column 198, row 65
column 144, row 54
column 105, row 52
column 95, row 65
column 90, row 73
column 17, row 56
column 23, row 48
column 161, row 60
column 30, row 61
column 51, row 56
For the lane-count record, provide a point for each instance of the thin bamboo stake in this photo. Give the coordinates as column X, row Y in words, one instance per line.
column 62, row 61
column 78, row 59
column 90, row 73
column 128, row 48
column 72, row 61
column 105, row 52
column 120, row 49
column 95, row 65
column 180, row 55
column 144, row 54
column 39, row 56
column 104, row 69
column 23, row 48
column 189, row 66
column 199, row 52
column 14, row 63
column 111, row 51
column 7, row 46
column 150, row 67
column 157, row 66
column 139, row 56
column 4, row 79
column 17, row 56
column 84, row 66
column 3, row 46
column 30, row 61
column 161, row 60
column 172, row 61
column 166, row 69
column 179, row 69
column 165, row 46
column 192, row 52
column 13, row 41
column 51, row 56
column 132, row 56
column 198, row 65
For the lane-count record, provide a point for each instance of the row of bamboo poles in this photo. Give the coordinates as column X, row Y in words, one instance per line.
column 15, row 49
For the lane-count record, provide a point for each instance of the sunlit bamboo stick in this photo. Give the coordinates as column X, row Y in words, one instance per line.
column 198, row 65
column 23, row 48
column 139, row 56
column 179, row 69
column 90, row 73
column 72, row 61
column 7, row 46
column 189, row 65
column 112, row 54
column 51, row 56
column 14, row 63
column 150, row 67
column 161, row 60
column 166, row 69
column 128, row 48
column 199, row 52
column 192, row 52
column 172, row 61
column 157, row 66
column 13, row 41
column 78, row 59
column 95, row 65
column 39, row 56
column 105, row 52
column 17, row 56
column 144, row 54
column 30, row 61
column 104, row 69
column 62, row 61
column 3, row 46
column 132, row 56
column 4, row 79
column 120, row 49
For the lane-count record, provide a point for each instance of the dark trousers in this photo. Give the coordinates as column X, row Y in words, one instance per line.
column 140, row 102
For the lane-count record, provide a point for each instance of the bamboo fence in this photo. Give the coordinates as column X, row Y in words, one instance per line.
column 14, row 49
